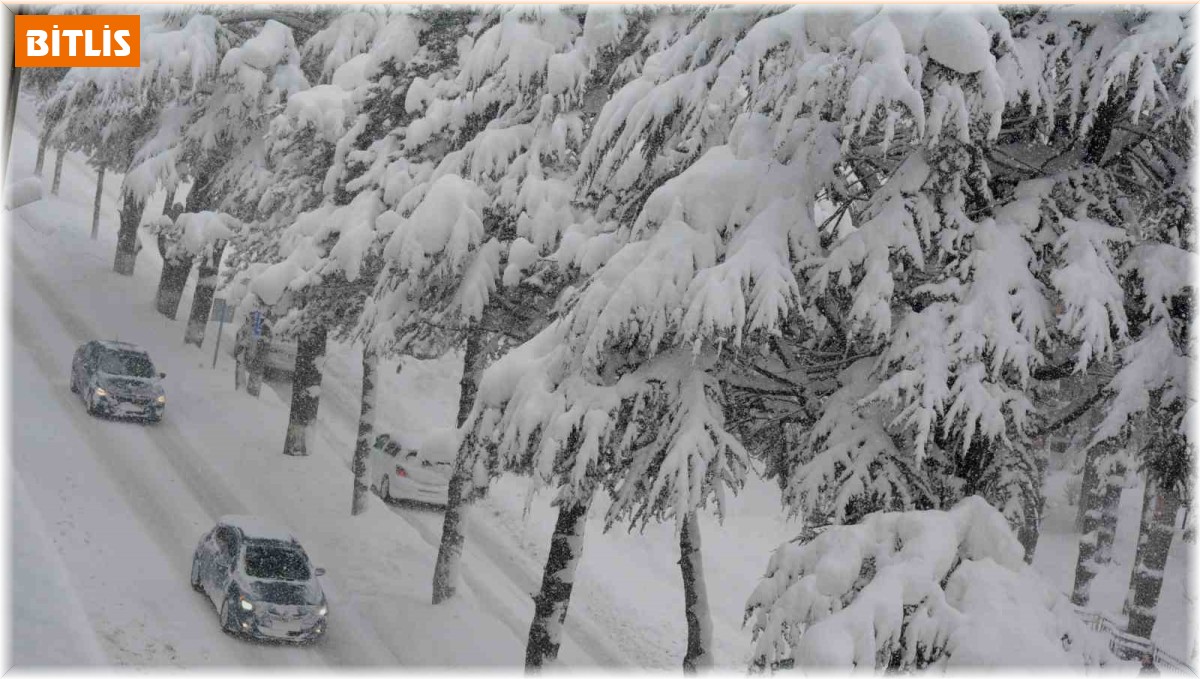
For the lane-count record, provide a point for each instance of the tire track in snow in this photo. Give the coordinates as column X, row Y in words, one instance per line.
column 589, row 640
column 143, row 498
column 212, row 496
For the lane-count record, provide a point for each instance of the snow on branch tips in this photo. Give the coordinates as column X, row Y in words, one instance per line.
column 915, row 590
column 202, row 229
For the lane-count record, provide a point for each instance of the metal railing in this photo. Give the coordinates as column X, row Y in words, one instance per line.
column 1129, row 647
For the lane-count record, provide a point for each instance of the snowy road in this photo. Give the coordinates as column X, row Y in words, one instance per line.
column 129, row 499
column 112, row 510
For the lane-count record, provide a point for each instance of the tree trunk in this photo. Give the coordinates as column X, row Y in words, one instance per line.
column 174, row 277
column 1144, row 530
column 175, row 270
column 558, row 578
column 1087, row 564
column 306, row 391
column 1151, row 560
column 1111, row 485
column 127, row 238
column 1086, row 488
column 472, row 364
column 41, row 154
column 60, row 152
column 695, row 598
column 14, row 94
column 445, row 571
column 202, row 298
column 96, row 207
column 366, row 430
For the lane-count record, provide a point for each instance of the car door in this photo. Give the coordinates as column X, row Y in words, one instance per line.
column 219, row 564
column 204, row 557
column 88, row 366
column 77, row 363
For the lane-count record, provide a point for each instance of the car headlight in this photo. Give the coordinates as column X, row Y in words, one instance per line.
column 162, row 400
column 101, row 391
column 322, row 610
column 246, row 604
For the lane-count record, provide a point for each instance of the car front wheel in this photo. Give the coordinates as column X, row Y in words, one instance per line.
column 228, row 621
column 385, row 490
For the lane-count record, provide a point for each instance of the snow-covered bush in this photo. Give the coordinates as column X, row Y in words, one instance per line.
column 915, row 590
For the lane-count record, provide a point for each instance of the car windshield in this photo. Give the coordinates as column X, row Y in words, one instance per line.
column 126, row 363
column 276, row 563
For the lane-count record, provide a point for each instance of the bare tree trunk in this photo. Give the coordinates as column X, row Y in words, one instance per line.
column 1087, row 564
column 558, row 579
column 1087, row 487
column 175, row 271
column 127, row 238
column 60, row 153
column 366, row 430
column 96, row 207
column 1111, row 484
column 202, row 298
column 43, row 142
column 1144, row 530
column 695, row 598
column 14, row 94
column 472, row 364
column 1154, row 544
column 445, row 571
column 306, row 391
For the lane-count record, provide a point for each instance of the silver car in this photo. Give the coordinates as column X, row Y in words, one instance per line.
column 260, row 580
column 119, row 380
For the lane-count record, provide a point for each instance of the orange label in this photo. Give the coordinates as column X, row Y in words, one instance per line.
column 101, row 40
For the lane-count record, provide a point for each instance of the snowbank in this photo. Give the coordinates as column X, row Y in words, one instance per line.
column 49, row 626
column 23, row 192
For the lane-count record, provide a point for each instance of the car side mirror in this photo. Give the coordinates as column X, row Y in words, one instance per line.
column 319, row 571
column 161, row 375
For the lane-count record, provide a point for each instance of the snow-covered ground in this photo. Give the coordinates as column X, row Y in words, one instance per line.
column 107, row 513
column 1058, row 549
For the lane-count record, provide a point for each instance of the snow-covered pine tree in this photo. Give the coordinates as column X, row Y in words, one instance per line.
column 917, row 590
column 1148, row 400
column 953, row 268
column 483, row 159
column 105, row 117
column 315, row 199
column 238, row 72
column 41, row 83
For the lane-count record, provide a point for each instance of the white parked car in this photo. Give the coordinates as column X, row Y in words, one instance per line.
column 421, row 475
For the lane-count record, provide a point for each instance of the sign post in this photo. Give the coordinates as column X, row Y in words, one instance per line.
column 219, row 309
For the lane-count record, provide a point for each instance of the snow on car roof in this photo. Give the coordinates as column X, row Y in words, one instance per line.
column 255, row 527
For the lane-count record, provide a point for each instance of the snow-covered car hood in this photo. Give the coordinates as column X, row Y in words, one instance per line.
column 125, row 385
column 284, row 592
